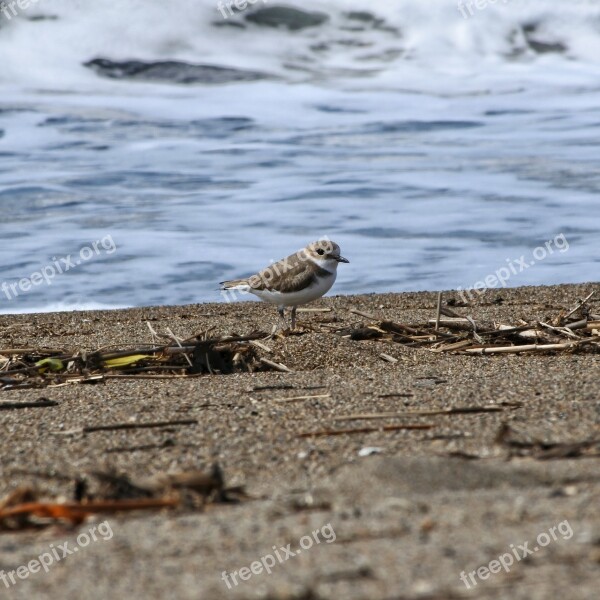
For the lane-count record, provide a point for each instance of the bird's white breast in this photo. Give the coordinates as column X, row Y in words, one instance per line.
column 308, row 294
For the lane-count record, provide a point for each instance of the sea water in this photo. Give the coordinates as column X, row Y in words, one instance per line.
column 435, row 141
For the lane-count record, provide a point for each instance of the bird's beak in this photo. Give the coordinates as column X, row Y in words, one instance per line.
column 342, row 259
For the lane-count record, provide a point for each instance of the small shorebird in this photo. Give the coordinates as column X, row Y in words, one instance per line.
column 295, row 280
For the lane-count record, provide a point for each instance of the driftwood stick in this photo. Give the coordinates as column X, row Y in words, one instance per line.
column 529, row 347
column 452, row 347
column 452, row 323
column 564, row 331
column 92, row 428
column 507, row 329
column 388, row 358
column 578, row 325
column 261, row 346
column 361, row 313
column 184, row 348
column 298, row 398
column 459, row 410
column 152, row 332
column 328, row 432
column 41, row 403
column 146, row 376
column 177, row 341
column 448, row 312
column 276, row 366
column 579, row 305
column 392, row 327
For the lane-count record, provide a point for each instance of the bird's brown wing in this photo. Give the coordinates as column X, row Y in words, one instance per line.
column 292, row 274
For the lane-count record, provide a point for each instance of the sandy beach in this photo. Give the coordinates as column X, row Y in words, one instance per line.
column 399, row 513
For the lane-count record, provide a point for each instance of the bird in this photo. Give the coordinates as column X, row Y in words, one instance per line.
column 298, row 279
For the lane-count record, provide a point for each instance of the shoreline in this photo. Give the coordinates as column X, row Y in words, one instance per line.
column 467, row 295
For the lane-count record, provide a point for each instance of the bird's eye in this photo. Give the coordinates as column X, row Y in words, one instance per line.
column 320, row 251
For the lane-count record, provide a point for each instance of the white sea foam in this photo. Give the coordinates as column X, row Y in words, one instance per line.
column 49, row 53
column 57, row 307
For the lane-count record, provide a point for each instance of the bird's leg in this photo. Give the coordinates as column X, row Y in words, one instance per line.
column 281, row 311
column 294, row 317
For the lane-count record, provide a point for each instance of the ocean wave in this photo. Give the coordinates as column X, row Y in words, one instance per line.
column 49, row 43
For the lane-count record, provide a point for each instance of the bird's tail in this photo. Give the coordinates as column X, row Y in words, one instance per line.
column 235, row 284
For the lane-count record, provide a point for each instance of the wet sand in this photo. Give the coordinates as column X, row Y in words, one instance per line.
column 407, row 520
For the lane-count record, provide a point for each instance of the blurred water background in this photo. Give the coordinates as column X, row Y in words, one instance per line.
column 434, row 145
